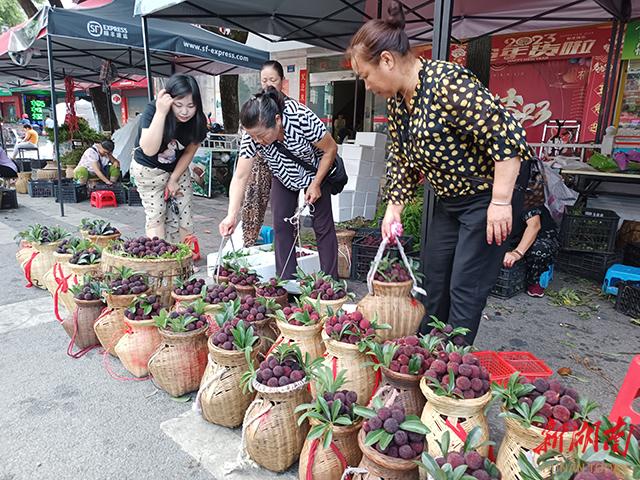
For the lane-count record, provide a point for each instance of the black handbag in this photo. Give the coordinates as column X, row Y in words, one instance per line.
column 337, row 176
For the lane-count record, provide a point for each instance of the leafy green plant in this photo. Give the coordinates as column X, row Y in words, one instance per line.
column 174, row 321
column 87, row 289
column 84, row 133
column 72, row 157
column 42, row 234
column 382, row 353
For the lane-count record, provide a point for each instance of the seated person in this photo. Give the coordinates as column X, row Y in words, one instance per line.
column 536, row 239
column 29, row 141
column 8, row 169
column 98, row 161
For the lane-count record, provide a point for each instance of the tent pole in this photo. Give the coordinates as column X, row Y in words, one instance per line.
column 147, row 57
column 54, row 116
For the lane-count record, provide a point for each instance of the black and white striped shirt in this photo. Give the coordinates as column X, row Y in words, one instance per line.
column 302, row 128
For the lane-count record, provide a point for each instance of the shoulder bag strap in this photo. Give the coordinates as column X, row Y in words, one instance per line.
column 285, row 151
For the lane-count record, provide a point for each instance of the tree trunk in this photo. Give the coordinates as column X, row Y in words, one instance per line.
column 29, row 8
column 103, row 107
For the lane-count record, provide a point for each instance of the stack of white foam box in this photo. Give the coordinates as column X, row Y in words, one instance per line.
column 364, row 162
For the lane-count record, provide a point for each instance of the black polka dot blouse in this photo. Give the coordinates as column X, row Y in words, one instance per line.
column 455, row 132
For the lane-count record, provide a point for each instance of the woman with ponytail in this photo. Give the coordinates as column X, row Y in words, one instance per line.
column 447, row 127
column 287, row 135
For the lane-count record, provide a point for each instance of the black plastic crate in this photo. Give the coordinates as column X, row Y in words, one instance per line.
column 117, row 188
column 511, row 281
column 71, row 192
column 133, row 197
column 589, row 230
column 9, row 198
column 632, row 254
column 40, row 188
column 363, row 254
column 628, row 299
column 592, row 266
column 37, row 163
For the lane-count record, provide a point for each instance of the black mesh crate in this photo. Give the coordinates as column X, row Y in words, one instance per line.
column 632, row 254
column 589, row 230
column 117, row 188
column 628, row 299
column 133, row 197
column 71, row 192
column 364, row 250
column 511, row 281
column 592, row 266
column 9, row 198
column 40, row 188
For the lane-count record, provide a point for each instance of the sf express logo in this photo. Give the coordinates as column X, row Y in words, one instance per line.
column 97, row 29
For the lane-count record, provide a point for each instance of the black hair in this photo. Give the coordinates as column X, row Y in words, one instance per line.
column 108, row 145
column 261, row 109
column 377, row 36
column 27, row 125
column 193, row 131
column 276, row 65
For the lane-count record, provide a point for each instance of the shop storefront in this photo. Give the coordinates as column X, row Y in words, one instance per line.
column 10, row 106
column 628, row 113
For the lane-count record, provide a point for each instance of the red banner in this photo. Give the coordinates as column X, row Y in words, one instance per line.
column 551, row 44
column 303, row 86
column 457, row 53
column 593, row 98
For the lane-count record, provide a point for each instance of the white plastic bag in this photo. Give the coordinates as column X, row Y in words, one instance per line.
column 557, row 196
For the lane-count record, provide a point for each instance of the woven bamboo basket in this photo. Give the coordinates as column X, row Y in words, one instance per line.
column 345, row 241
column 22, row 184
column 178, row 363
column 94, row 271
column 42, row 262
column 59, row 269
column 75, row 273
column 110, row 327
column 24, row 253
column 282, row 300
column 267, row 331
column 308, row 338
column 625, row 473
column 160, row 272
column 46, row 173
column 392, row 289
column 334, row 305
column 136, row 346
column 519, row 439
column 404, row 314
column 220, row 395
column 360, row 377
column 325, row 464
column 271, row 433
column 182, row 299
column 402, row 389
column 103, row 240
column 87, row 312
column 467, row 413
column 382, row 467
column 244, row 290
column 211, row 309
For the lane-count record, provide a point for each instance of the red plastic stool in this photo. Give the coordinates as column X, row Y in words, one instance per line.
column 103, row 198
column 629, row 392
column 192, row 241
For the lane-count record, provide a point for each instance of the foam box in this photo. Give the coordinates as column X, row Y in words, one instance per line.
column 371, row 139
column 358, row 152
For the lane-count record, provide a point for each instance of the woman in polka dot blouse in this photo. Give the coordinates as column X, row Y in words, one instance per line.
column 446, row 127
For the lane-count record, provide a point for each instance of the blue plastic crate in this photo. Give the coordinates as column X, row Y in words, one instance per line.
column 620, row 273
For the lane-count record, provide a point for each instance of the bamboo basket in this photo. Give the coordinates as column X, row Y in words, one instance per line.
column 160, row 272
column 271, row 433
column 22, row 184
column 41, row 263
column 404, row 314
column 334, row 305
column 136, row 346
column 467, row 413
column 345, row 241
column 325, row 464
column 58, row 269
column 102, row 240
column 110, row 326
column 220, row 395
column 24, row 253
column 308, row 338
column 267, row 331
column 87, row 312
column 244, row 290
column 382, row 467
column 75, row 274
column 178, row 363
column 402, row 389
column 177, row 300
column 392, row 289
column 625, row 473
column 360, row 378
column 282, row 300
column 518, row 439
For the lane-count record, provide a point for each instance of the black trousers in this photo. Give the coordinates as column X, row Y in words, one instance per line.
column 283, row 205
column 7, row 172
column 461, row 267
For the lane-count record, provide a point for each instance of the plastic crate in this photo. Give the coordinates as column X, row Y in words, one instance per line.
column 37, row 163
column 9, row 198
column 133, row 197
column 529, row 366
column 589, row 230
column 71, row 192
column 632, row 254
column 592, row 266
column 117, row 188
column 499, row 370
column 628, row 299
column 40, row 188
column 363, row 255
column 511, row 281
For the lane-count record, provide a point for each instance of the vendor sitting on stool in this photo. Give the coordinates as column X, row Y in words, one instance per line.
column 98, row 161
column 536, row 238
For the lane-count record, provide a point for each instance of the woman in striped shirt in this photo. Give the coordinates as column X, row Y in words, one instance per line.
column 277, row 128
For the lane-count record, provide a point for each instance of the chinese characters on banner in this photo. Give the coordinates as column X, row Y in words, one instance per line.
column 303, row 86
column 551, row 75
column 457, row 53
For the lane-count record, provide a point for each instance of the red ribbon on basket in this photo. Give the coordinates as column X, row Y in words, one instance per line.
column 63, row 285
column 73, row 340
column 274, row 346
column 376, row 383
column 312, row 457
column 27, row 269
